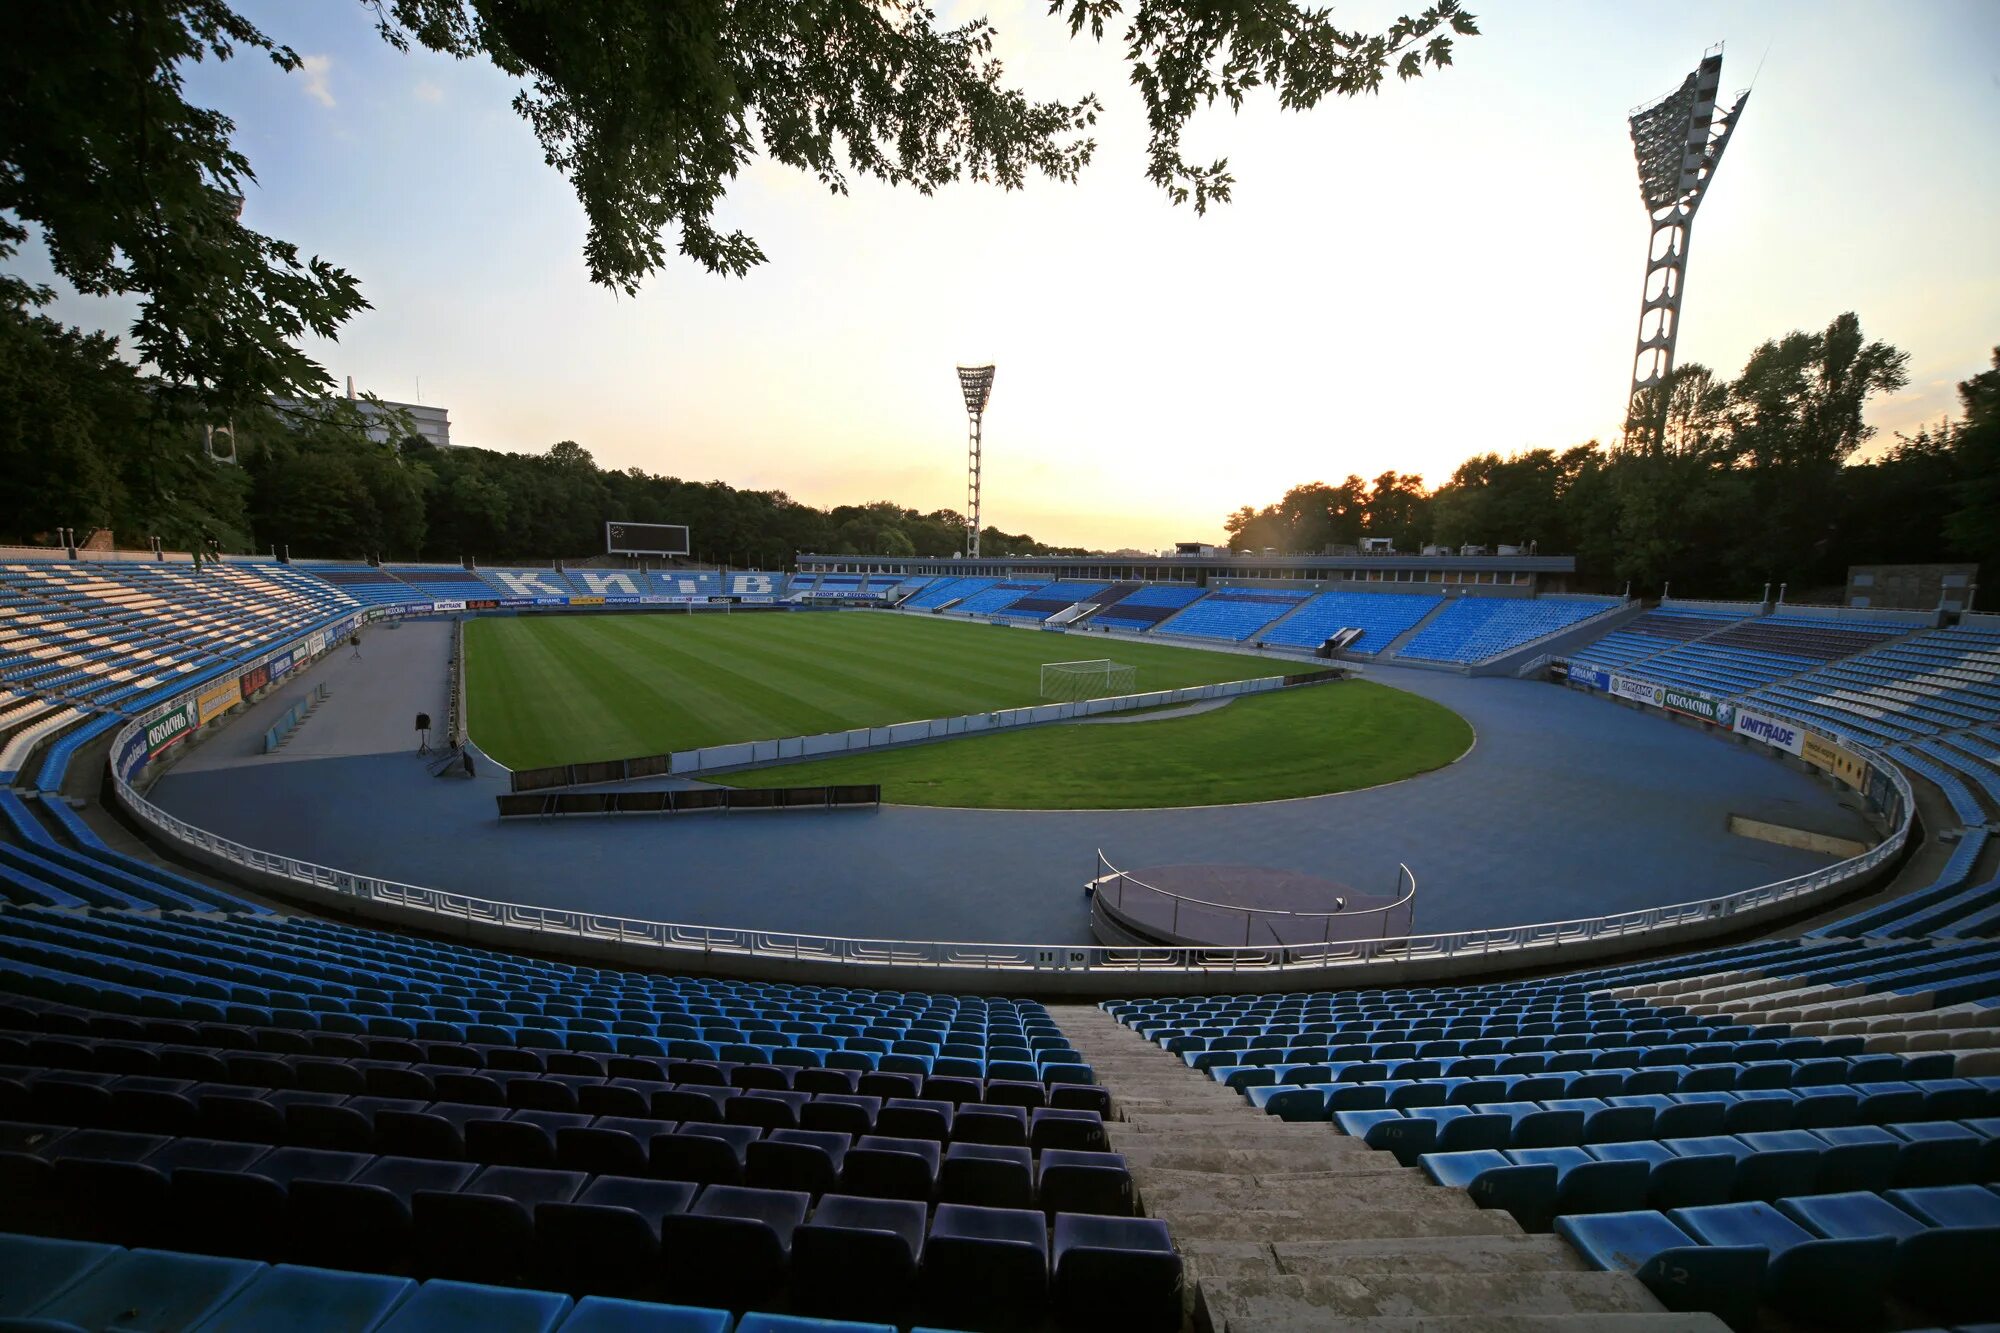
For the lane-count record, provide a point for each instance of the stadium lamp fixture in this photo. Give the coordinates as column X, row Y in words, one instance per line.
column 976, row 382
column 1678, row 142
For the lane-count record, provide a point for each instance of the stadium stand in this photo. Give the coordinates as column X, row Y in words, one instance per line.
column 1473, row 629
column 447, row 582
column 1233, row 613
column 1937, row 681
column 1147, row 605
column 991, row 599
column 1741, row 657
column 941, row 591
column 365, row 583
column 527, row 582
column 283, row 1090
column 754, row 583
column 1053, row 599
column 1381, row 618
column 1655, row 632
column 685, row 583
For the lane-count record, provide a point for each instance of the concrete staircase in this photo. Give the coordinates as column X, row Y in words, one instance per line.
column 1286, row 1228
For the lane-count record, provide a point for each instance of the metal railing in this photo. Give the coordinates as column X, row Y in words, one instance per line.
column 1116, row 883
column 550, row 927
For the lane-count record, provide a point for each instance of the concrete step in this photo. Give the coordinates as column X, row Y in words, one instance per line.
column 1194, row 1224
column 1168, row 1154
column 1284, row 1303
column 1420, row 1254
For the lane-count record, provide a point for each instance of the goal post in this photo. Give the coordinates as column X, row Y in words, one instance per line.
column 1102, row 678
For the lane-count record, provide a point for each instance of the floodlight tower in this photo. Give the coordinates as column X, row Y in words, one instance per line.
column 977, row 384
column 1678, row 142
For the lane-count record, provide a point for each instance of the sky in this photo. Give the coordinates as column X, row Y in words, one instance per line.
column 1450, row 268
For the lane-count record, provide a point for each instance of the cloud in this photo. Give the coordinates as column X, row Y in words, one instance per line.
column 315, row 69
column 426, row 91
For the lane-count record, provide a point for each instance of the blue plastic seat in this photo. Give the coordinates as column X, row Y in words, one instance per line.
column 1114, row 1272
column 1813, row 1278
column 35, row 1270
column 858, row 1258
column 606, row 1314
column 311, row 1300
column 468, row 1307
column 1947, row 1270
column 985, row 1265
column 151, row 1289
column 732, row 1246
column 1683, row 1273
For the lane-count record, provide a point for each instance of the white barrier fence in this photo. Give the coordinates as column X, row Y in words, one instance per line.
column 742, row 754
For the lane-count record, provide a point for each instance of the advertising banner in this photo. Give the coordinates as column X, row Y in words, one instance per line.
column 131, row 754
column 757, row 601
column 622, row 600
column 483, row 604
column 551, row 601
column 279, row 665
column 253, row 680
column 163, row 732
column 447, row 605
column 1698, row 705
column 1775, row 732
column 217, row 699
column 1838, row 760
column 316, row 644
column 586, row 601
column 1641, row 691
column 512, row 602
column 1595, row 677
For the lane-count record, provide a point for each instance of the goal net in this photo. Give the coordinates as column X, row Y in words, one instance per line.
column 1063, row 681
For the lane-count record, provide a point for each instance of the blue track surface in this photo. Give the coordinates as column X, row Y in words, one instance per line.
column 1567, row 806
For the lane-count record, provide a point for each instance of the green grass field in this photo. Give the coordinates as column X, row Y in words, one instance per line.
column 567, row 689
column 1304, row 742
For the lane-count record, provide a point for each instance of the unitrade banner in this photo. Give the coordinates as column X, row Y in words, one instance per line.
column 1775, row 732
column 1697, row 705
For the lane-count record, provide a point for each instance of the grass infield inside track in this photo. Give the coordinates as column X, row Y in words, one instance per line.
column 568, row 689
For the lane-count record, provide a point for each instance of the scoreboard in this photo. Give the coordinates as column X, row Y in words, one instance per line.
column 645, row 539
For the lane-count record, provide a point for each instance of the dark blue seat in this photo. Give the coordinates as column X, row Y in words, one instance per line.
column 988, row 1266
column 311, row 1300
column 988, row 1175
column 797, row 1159
column 882, row 1167
column 732, row 1247
column 36, row 1269
column 858, row 1258
column 460, row 1307
column 1068, row 1181
column 1820, row 1280
column 152, row 1289
column 1683, row 1273
column 1116, row 1272
column 708, row 1154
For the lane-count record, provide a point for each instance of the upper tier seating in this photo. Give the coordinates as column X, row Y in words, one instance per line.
column 1654, row 632
column 1147, row 605
column 1741, row 657
column 1473, row 629
column 526, row 582
column 1380, row 617
column 1233, row 613
column 1938, row 681
column 944, row 590
column 685, row 583
column 446, row 582
column 995, row 595
column 1053, row 598
column 365, row 583
column 754, row 583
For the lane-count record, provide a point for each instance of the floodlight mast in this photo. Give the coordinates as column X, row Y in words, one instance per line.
column 977, row 384
column 1678, row 142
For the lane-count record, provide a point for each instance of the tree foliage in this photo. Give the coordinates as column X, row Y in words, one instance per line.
column 649, row 109
column 1727, row 484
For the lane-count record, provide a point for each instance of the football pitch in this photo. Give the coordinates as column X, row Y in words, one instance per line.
column 567, row 689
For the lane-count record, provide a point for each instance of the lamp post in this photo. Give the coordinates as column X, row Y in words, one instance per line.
column 977, row 384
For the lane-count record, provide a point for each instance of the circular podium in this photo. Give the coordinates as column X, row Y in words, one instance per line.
column 1238, row 906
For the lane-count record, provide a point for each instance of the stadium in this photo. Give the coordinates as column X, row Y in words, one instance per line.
column 1348, row 937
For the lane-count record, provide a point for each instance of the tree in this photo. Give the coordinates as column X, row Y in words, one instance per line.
column 1974, row 526
column 648, row 109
